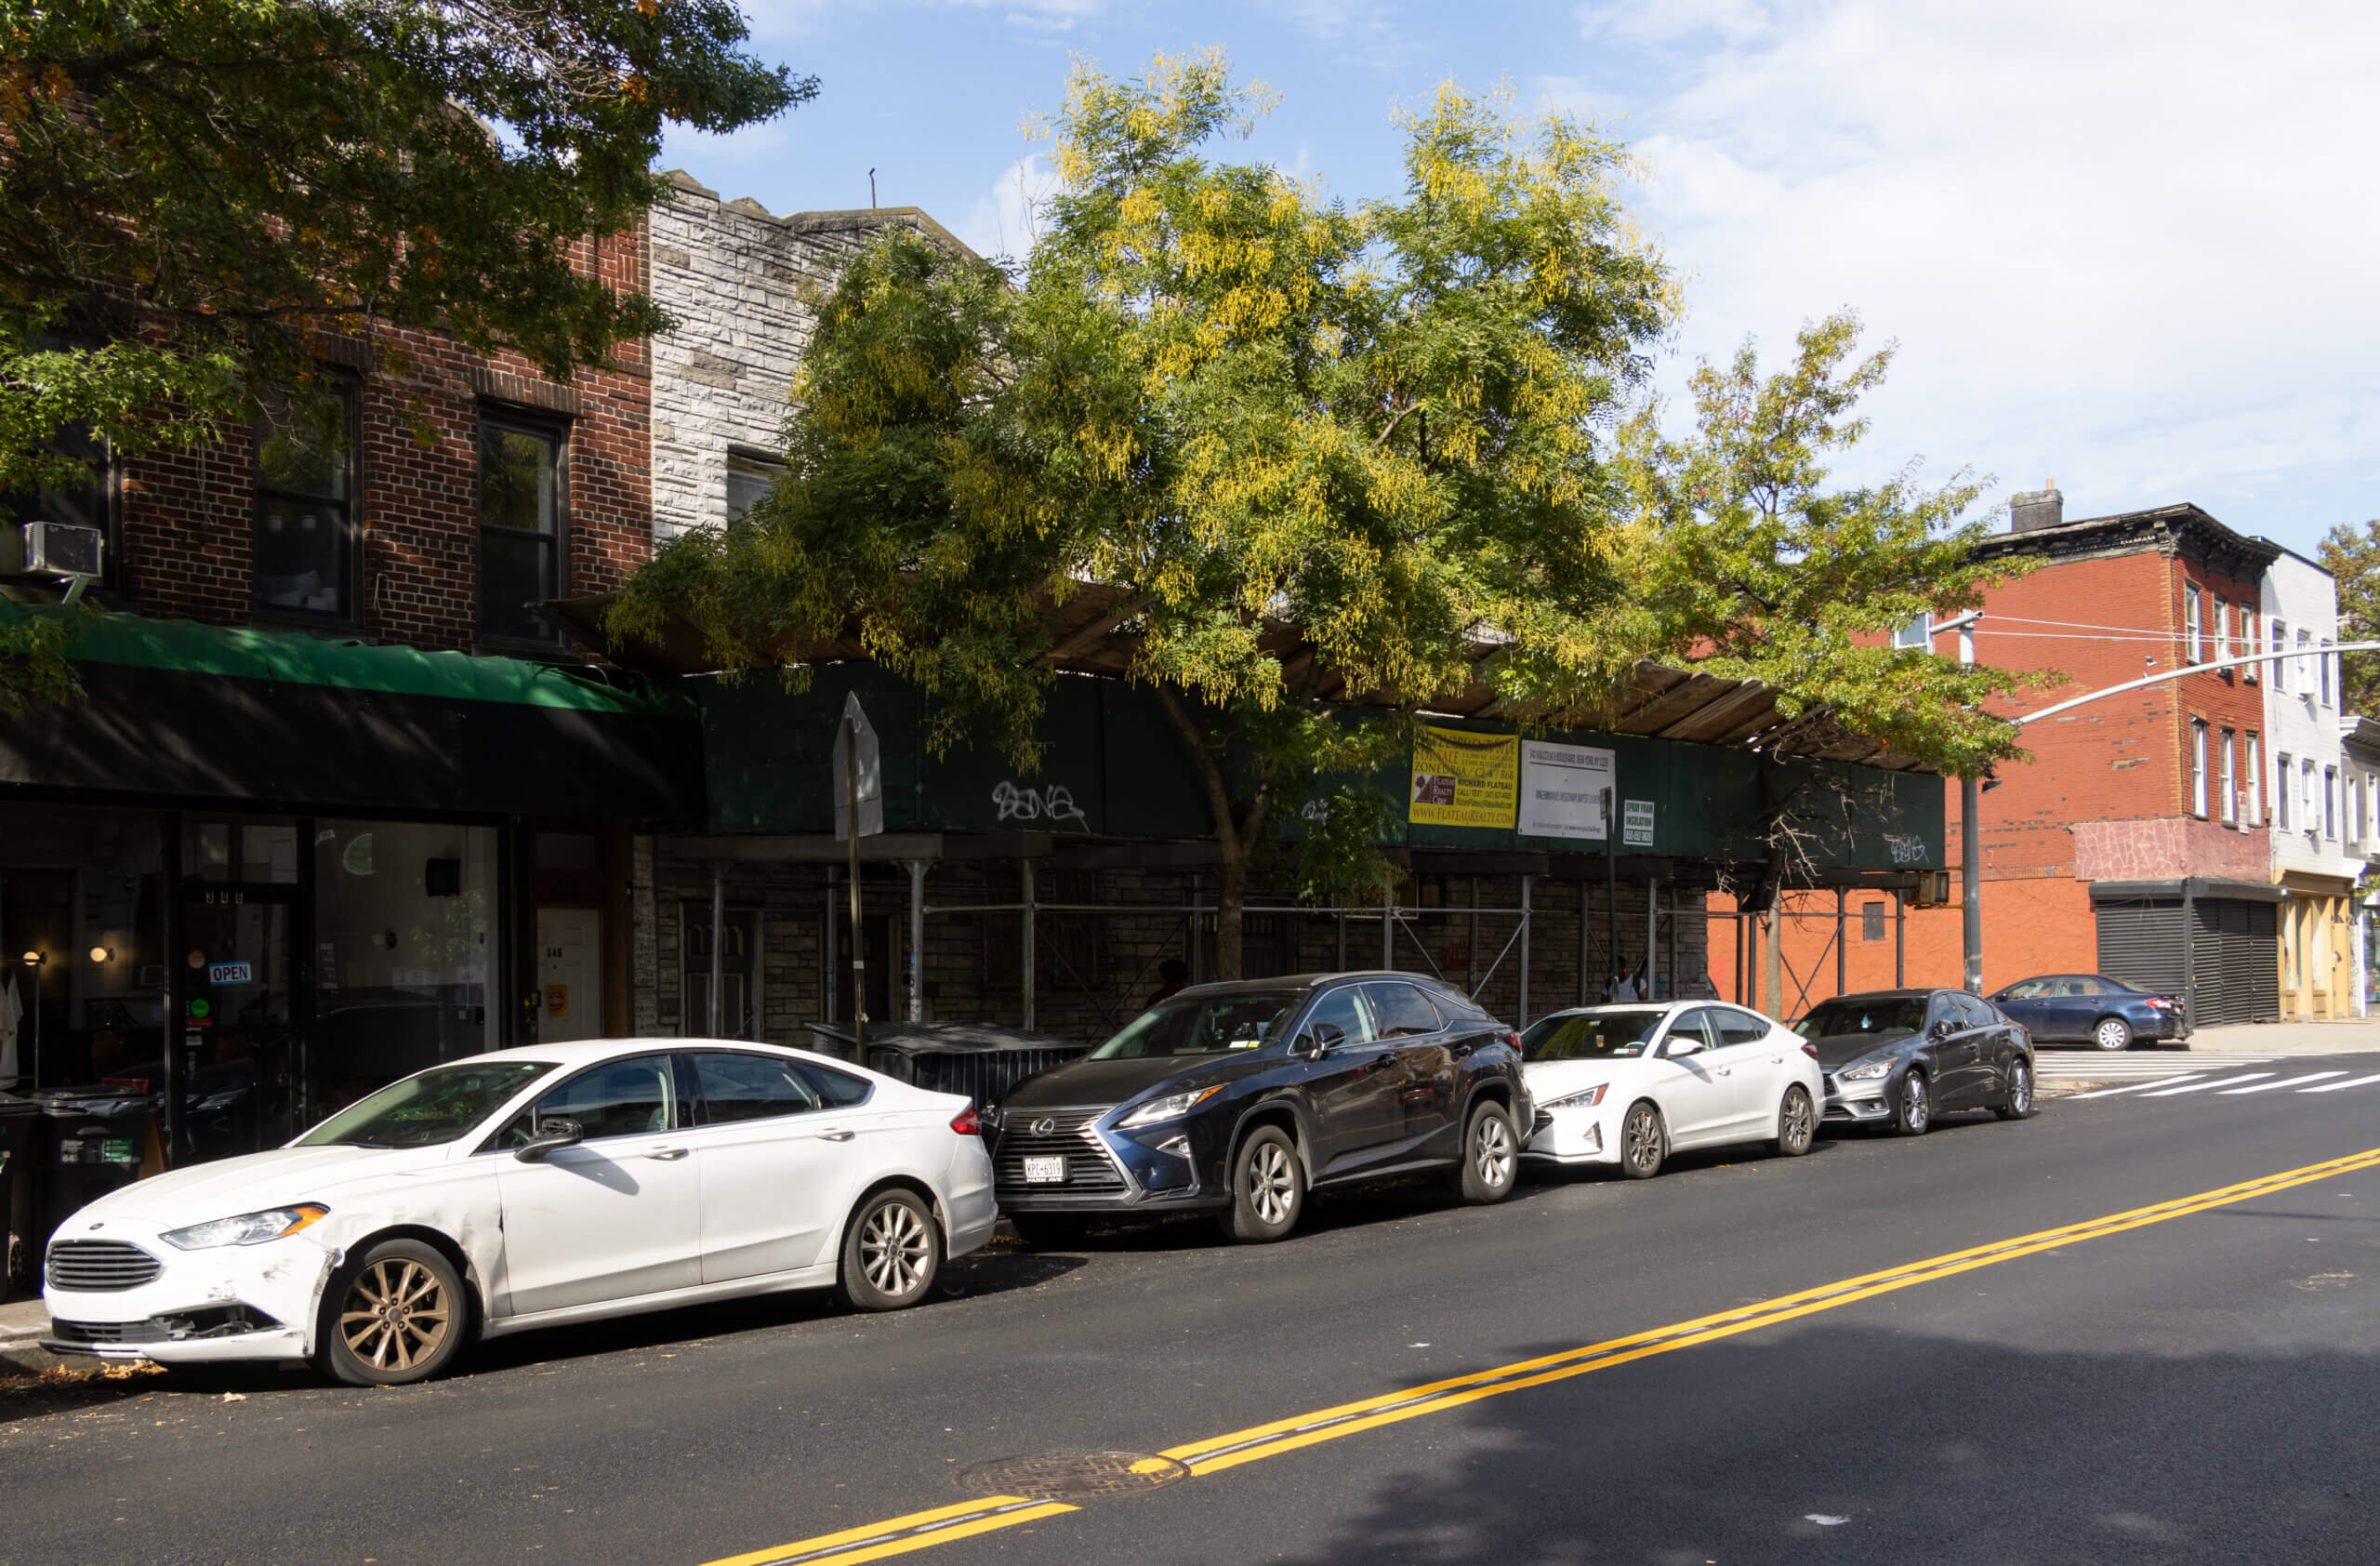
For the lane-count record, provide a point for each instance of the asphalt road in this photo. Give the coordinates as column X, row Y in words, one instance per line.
column 2186, row 1382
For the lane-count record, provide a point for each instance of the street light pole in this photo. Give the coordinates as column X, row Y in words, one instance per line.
column 1970, row 831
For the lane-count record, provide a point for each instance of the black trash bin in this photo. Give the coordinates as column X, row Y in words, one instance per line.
column 982, row 1060
column 22, row 1143
column 98, row 1139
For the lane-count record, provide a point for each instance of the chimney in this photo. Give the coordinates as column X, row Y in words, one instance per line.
column 2037, row 508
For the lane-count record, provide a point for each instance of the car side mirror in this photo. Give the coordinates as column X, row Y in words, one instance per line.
column 1320, row 1039
column 1943, row 1027
column 1678, row 1046
column 552, row 1134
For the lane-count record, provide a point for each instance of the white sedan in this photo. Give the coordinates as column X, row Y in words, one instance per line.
column 1632, row 1084
column 526, row 1188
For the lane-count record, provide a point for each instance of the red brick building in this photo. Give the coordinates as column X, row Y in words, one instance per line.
column 338, row 801
column 2137, row 818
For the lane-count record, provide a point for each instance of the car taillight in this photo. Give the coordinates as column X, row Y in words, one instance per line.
column 967, row 1122
column 2160, row 1003
column 1512, row 1038
column 1811, row 1050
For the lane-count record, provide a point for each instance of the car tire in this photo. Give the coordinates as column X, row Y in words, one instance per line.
column 892, row 1251
column 1797, row 1122
column 1491, row 1156
column 2112, row 1033
column 1644, row 1141
column 2020, row 1092
column 1267, row 1188
column 1913, row 1105
column 1048, row 1231
column 395, row 1314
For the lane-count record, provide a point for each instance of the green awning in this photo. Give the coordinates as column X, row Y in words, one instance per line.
column 294, row 657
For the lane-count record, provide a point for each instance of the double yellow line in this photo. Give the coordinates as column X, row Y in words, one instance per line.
column 944, row 1525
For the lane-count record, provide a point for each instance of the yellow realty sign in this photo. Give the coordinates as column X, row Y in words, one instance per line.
column 1465, row 779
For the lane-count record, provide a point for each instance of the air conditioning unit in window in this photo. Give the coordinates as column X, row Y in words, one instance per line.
column 50, row 548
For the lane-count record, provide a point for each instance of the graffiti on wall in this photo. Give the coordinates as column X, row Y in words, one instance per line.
column 1054, row 804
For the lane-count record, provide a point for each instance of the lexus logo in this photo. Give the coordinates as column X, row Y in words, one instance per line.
column 1045, row 1126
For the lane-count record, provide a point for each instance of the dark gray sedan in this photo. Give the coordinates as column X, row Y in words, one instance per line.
column 2090, row 1009
column 1898, row 1057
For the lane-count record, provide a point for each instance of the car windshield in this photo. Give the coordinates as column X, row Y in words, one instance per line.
column 1204, row 1024
column 1591, row 1035
column 421, row 1111
column 1888, row 1016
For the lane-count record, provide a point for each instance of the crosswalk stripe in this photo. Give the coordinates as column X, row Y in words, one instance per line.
column 2132, row 1087
column 2201, row 1087
column 2285, row 1081
column 2333, row 1087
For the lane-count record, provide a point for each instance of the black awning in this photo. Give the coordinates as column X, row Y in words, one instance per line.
column 2196, row 886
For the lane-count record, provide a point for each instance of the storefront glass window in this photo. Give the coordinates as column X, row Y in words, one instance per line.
column 81, row 889
column 403, row 947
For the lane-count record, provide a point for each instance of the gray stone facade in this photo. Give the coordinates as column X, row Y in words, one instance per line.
column 736, row 278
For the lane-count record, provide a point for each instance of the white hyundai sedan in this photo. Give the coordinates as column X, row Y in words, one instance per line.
column 1630, row 1085
column 526, row 1188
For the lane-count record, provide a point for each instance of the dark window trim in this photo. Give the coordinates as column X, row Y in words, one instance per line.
column 352, row 584
column 558, row 428
column 110, row 480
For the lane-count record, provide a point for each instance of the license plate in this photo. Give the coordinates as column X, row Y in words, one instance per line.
column 1045, row 1171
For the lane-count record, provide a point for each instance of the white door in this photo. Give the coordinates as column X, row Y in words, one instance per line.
column 570, row 973
column 1750, row 1065
column 779, row 1161
column 617, row 1216
column 1692, row 1094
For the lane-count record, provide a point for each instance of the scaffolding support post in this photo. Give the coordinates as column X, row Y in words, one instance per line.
column 1526, row 922
column 917, row 940
column 1842, row 945
column 1024, row 941
column 1652, row 936
column 1585, row 913
column 718, row 940
column 826, row 946
column 1388, row 936
column 1900, row 941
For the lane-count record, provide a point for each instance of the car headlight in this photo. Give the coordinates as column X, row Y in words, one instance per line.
column 249, row 1228
column 1174, row 1105
column 1585, row 1098
column 1866, row 1072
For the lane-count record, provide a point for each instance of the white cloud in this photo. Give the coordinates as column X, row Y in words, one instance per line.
column 1002, row 221
column 2126, row 244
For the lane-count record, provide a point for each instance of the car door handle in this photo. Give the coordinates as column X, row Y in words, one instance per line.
column 664, row 1154
column 834, row 1135
column 1724, row 1072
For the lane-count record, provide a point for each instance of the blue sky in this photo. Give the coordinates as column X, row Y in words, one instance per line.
column 2128, row 246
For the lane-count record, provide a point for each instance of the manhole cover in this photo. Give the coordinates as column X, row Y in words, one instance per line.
column 1071, row 1476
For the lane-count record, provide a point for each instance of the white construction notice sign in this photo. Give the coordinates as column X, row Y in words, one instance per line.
column 1565, row 790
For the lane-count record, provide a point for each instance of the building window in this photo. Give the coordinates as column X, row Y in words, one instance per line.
column 2248, row 642
column 2327, row 662
column 749, row 479
column 2310, row 818
column 306, row 488
column 2281, row 665
column 521, row 528
column 2221, row 628
column 2231, row 785
column 2282, row 787
column 2193, row 623
column 2331, row 802
column 2198, row 766
column 1917, row 632
column 2256, row 783
column 86, row 503
column 1871, row 922
column 2304, row 683
column 2363, row 822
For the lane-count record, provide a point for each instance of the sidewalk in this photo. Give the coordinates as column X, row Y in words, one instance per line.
column 2345, row 1037
column 22, row 1325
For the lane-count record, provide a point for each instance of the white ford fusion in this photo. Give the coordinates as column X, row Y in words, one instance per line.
column 526, row 1188
column 1632, row 1084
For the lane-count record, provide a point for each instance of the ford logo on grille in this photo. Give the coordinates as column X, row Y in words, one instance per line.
column 1045, row 1126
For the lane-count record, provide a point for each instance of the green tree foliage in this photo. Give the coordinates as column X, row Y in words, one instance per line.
column 195, row 193
column 1242, row 406
column 2352, row 554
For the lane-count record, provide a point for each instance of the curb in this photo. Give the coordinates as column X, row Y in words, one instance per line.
column 21, row 1353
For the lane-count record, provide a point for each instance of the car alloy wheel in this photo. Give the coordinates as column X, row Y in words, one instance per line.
column 1491, row 1155
column 1267, row 1187
column 395, row 1315
column 1642, row 1142
column 2020, row 1093
column 1915, row 1110
column 1796, row 1123
column 890, row 1252
column 2113, row 1033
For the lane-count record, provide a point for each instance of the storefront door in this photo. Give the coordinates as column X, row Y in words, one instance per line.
column 243, row 1060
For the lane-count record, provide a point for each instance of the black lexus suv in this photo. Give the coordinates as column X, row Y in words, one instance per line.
column 1239, row 1099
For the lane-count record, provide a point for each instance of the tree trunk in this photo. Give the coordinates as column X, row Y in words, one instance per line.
column 1235, row 837
column 1230, row 903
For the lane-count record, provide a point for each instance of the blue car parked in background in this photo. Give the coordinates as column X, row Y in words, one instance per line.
column 2091, row 1009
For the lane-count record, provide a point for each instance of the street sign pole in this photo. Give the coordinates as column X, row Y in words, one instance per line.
column 859, row 809
column 859, row 942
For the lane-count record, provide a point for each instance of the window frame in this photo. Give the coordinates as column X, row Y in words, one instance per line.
column 553, row 428
column 2198, row 768
column 745, row 458
column 2230, row 779
column 2249, row 644
column 1871, row 922
column 2323, row 662
column 2193, row 623
column 2331, row 803
column 350, row 390
column 1916, row 633
column 2278, row 642
column 2282, row 789
column 2254, row 758
column 2221, row 628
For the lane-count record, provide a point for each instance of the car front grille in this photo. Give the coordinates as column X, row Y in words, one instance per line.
column 109, row 1335
column 101, row 1265
column 1089, row 1169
